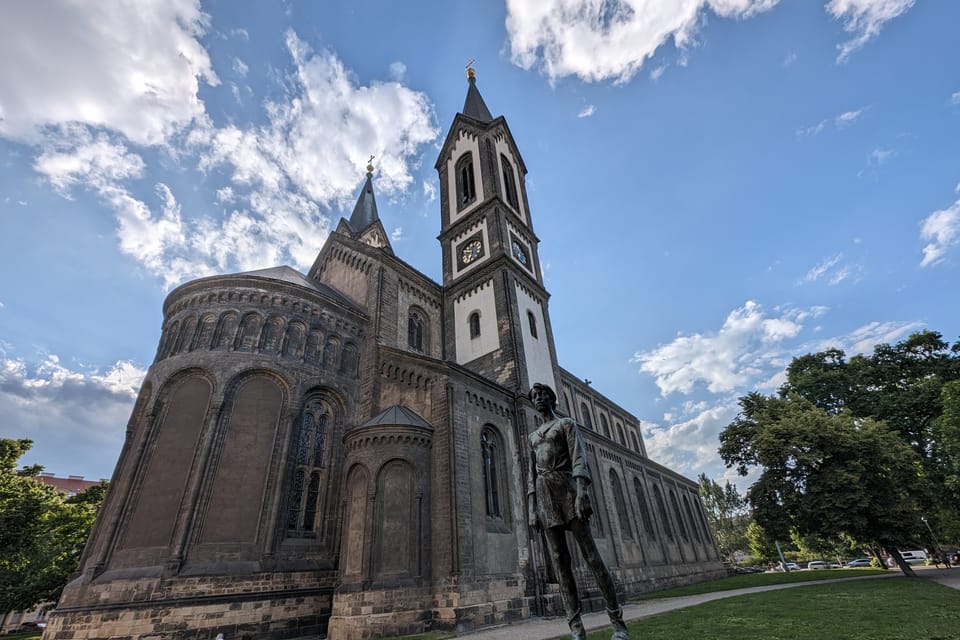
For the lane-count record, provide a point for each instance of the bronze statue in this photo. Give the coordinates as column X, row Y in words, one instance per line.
column 557, row 498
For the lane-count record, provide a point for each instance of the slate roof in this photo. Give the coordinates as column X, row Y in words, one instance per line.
column 398, row 415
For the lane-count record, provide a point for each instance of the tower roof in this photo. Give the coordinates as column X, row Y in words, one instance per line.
column 474, row 106
column 365, row 212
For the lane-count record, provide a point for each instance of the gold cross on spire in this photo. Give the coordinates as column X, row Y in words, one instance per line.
column 370, row 166
column 470, row 71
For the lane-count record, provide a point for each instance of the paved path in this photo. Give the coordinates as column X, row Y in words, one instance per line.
column 549, row 628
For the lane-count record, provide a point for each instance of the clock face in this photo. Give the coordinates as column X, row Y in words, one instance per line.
column 520, row 253
column 471, row 251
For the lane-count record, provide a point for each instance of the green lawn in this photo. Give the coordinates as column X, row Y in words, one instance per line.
column 893, row 609
column 759, row 580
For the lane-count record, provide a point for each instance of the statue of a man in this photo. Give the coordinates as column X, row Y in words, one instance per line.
column 558, row 499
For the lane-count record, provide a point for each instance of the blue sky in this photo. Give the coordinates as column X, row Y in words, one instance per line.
column 718, row 185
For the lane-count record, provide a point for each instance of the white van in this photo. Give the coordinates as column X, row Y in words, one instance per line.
column 914, row 557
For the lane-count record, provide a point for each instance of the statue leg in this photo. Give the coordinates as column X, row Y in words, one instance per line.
column 568, row 586
column 581, row 531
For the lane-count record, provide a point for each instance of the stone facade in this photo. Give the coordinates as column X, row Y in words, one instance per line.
column 342, row 452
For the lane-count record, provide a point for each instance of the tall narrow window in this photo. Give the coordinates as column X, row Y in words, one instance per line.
column 693, row 522
column 474, row 321
column 604, row 425
column 415, row 331
column 620, row 435
column 587, row 419
column 490, row 456
column 625, row 528
column 644, row 510
column 310, row 509
column 509, row 185
column 309, row 461
column 636, row 444
column 466, row 191
column 676, row 510
column 531, row 319
column 662, row 511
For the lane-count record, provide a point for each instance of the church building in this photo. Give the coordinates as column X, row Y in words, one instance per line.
column 344, row 452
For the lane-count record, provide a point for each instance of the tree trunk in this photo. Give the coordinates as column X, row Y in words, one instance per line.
column 904, row 566
column 879, row 556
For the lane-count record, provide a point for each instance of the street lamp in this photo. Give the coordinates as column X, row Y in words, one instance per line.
column 932, row 536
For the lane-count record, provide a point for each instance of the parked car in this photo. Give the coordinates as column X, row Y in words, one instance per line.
column 817, row 564
column 914, row 557
column 33, row 625
column 792, row 566
column 860, row 562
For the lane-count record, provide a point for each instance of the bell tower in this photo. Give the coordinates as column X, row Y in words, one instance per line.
column 495, row 304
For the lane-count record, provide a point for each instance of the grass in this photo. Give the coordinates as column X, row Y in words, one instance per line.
column 758, row 580
column 893, row 609
column 22, row 635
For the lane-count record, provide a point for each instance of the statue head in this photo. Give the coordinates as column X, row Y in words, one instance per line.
column 545, row 390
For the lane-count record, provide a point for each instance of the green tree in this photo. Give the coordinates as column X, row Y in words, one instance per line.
column 727, row 514
column 42, row 533
column 824, row 474
column 761, row 547
column 912, row 386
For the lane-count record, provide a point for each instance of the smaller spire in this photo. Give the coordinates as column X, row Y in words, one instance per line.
column 365, row 212
column 474, row 106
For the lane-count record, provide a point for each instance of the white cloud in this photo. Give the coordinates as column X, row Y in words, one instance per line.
column 848, row 117
column 831, row 269
column 863, row 339
column 941, row 230
column 790, row 59
column 955, row 97
column 134, row 68
column 600, row 40
column 398, row 71
column 880, row 156
column 813, row 130
column 734, row 357
column 429, row 191
column 240, row 67
column 281, row 176
column 52, row 404
column 691, row 445
column 821, row 268
column 396, row 234
column 864, row 19
column 657, row 72
column 587, row 111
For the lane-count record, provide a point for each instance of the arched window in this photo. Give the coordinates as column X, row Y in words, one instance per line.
column 679, row 516
column 509, row 185
column 466, row 190
column 415, row 331
column 662, row 511
column 532, row 320
column 474, row 321
column 309, row 461
column 491, row 454
column 604, row 425
column 693, row 522
column 622, row 514
column 587, row 419
column 569, row 405
column 636, row 444
column 620, row 437
column 644, row 510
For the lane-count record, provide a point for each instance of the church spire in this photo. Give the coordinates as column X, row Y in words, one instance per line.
column 474, row 106
column 365, row 212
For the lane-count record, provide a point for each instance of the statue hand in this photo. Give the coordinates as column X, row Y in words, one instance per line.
column 582, row 506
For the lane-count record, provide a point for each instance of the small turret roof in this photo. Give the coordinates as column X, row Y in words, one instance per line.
column 365, row 212
column 398, row 415
column 474, row 106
